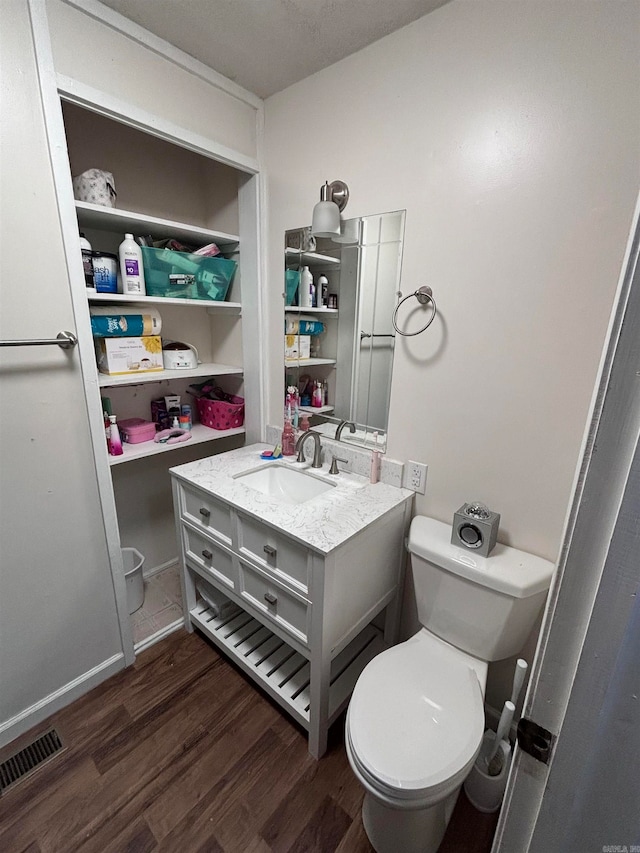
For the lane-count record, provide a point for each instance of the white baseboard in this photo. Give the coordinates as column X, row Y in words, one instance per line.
column 35, row 714
column 155, row 570
column 159, row 635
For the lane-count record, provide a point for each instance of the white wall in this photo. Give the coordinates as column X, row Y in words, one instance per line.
column 510, row 133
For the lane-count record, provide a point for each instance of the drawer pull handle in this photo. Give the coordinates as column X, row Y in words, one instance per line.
column 270, row 551
column 204, row 512
column 207, row 554
column 269, row 597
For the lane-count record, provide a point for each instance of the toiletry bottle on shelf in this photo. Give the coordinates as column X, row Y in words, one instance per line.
column 316, row 399
column 115, row 444
column 87, row 262
column 306, row 283
column 288, row 438
column 107, row 431
column 322, row 288
column 375, row 461
column 131, row 268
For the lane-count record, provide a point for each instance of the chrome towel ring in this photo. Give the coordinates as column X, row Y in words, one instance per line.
column 423, row 294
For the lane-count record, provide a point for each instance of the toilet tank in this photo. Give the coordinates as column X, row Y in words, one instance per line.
column 485, row 606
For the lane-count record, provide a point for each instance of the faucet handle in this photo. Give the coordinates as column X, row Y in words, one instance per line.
column 334, row 464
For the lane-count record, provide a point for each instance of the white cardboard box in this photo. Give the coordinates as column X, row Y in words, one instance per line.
column 297, row 346
column 122, row 356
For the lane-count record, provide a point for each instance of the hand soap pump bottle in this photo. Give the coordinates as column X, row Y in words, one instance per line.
column 288, row 437
column 375, row 461
column 306, row 288
column 131, row 268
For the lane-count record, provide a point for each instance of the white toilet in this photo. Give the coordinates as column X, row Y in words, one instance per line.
column 416, row 717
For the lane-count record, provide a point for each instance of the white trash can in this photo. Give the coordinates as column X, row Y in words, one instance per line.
column 133, row 562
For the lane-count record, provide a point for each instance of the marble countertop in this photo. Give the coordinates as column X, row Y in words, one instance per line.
column 322, row 523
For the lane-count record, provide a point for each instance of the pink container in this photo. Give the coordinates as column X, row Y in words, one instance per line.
column 218, row 414
column 137, row 430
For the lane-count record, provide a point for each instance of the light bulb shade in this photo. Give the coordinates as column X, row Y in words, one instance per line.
column 326, row 219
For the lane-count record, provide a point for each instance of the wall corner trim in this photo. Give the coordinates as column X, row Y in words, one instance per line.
column 115, row 21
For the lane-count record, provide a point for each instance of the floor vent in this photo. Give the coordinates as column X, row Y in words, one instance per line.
column 29, row 759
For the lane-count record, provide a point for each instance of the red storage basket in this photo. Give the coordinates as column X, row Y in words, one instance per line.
column 219, row 414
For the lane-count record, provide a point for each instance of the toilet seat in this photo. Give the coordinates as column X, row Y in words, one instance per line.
column 416, row 720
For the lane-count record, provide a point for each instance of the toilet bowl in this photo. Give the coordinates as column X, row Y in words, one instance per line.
column 414, row 727
column 416, row 718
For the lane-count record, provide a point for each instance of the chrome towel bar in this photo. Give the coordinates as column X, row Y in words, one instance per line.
column 64, row 340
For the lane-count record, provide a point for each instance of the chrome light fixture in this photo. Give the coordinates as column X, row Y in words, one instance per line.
column 326, row 214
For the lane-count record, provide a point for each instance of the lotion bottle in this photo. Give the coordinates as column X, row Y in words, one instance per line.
column 288, row 440
column 306, row 285
column 131, row 268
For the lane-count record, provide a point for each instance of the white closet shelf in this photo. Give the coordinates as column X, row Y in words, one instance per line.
column 296, row 309
column 311, row 258
column 204, row 369
column 316, row 410
column 308, row 362
column 199, row 434
column 113, row 219
column 128, row 299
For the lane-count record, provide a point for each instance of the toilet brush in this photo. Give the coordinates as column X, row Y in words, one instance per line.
column 518, row 679
column 500, row 759
column 503, row 729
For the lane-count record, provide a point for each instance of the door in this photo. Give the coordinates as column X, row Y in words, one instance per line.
column 585, row 686
column 60, row 631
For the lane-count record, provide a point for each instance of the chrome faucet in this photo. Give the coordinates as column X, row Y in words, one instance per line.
column 316, row 449
column 342, row 425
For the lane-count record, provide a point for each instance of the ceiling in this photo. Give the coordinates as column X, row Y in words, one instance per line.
column 266, row 45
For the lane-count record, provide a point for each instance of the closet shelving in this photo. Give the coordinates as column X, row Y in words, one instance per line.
column 317, row 263
column 167, row 187
column 112, row 219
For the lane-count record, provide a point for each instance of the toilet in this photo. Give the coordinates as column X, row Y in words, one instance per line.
column 416, row 717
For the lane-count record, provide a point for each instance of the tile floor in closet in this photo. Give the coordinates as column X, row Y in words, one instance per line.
column 162, row 604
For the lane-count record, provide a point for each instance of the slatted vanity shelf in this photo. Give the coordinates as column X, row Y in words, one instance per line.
column 301, row 620
column 281, row 670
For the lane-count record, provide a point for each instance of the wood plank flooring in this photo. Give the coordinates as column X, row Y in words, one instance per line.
column 182, row 754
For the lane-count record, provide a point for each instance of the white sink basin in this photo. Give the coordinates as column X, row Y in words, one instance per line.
column 284, row 484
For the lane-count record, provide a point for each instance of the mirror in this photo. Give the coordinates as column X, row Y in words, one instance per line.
column 339, row 339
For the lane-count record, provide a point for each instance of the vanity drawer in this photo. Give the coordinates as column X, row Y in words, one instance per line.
column 286, row 609
column 274, row 552
column 207, row 555
column 206, row 512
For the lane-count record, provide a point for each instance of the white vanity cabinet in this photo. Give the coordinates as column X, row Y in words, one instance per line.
column 302, row 625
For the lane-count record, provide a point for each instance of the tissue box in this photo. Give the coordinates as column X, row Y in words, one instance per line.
column 121, row 356
column 297, row 346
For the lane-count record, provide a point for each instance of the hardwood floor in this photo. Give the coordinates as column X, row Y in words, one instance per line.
column 182, row 754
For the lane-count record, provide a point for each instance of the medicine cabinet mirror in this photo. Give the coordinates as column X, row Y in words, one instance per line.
column 339, row 337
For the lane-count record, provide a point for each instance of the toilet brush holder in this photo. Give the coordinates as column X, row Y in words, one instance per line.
column 483, row 791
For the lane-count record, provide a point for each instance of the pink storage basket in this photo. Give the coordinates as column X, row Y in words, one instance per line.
column 218, row 414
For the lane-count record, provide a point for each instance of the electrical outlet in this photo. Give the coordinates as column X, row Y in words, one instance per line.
column 415, row 477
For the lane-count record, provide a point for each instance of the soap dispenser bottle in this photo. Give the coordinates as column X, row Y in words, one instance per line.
column 306, row 288
column 375, row 461
column 288, row 438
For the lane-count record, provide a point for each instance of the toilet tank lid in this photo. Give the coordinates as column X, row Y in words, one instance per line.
column 505, row 570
